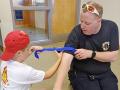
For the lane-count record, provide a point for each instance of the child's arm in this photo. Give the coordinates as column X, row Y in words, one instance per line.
column 50, row 72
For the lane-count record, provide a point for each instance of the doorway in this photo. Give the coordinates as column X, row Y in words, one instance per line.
column 31, row 16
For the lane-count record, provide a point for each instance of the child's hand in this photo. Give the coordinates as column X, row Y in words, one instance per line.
column 33, row 48
column 59, row 55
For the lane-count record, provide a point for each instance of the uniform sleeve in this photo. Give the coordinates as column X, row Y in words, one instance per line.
column 114, row 39
column 72, row 41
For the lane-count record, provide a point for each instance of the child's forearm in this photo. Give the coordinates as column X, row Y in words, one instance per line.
column 49, row 73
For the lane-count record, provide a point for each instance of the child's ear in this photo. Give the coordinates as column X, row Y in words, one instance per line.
column 18, row 52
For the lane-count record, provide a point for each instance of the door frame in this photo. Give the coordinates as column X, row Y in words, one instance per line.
column 47, row 8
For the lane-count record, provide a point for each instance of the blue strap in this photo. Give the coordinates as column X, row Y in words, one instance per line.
column 54, row 49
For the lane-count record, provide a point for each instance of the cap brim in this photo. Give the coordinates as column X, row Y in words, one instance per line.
column 7, row 55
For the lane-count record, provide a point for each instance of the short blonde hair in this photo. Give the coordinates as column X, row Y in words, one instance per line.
column 98, row 7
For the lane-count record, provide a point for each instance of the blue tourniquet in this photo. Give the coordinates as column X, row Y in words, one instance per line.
column 54, row 49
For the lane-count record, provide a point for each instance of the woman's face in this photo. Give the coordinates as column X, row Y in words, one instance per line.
column 89, row 23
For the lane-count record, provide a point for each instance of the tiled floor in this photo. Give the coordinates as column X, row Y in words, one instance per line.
column 35, row 34
column 47, row 59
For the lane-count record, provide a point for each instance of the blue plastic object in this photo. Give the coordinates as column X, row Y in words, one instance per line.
column 54, row 49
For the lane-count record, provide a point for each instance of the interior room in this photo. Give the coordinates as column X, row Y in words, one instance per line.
column 48, row 24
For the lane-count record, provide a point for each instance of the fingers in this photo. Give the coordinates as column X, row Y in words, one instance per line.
column 78, row 56
column 83, row 54
column 77, row 51
column 33, row 48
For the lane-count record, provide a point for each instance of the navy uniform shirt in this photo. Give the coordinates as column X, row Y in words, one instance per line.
column 107, row 39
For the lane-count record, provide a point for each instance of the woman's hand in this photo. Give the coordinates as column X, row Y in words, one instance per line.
column 83, row 54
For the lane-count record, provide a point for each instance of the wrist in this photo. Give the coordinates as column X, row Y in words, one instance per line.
column 93, row 55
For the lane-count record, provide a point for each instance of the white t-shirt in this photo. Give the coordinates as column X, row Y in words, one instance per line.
column 19, row 76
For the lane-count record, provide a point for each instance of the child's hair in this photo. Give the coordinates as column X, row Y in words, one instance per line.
column 14, row 41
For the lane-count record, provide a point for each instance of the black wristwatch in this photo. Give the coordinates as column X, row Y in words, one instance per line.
column 93, row 54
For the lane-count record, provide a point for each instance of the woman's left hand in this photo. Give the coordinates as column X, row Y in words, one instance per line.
column 83, row 54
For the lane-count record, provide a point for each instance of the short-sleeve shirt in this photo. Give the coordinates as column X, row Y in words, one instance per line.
column 19, row 76
column 107, row 39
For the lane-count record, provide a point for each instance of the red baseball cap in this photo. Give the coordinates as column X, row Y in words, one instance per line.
column 14, row 41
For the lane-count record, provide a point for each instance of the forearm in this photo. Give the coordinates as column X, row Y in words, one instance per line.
column 49, row 73
column 63, row 70
column 106, row 56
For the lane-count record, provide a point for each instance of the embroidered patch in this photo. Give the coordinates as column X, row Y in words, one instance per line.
column 106, row 46
column 4, row 76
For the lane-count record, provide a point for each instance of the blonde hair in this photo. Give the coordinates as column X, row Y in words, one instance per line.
column 98, row 7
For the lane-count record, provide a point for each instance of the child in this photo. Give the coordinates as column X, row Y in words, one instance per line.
column 16, row 75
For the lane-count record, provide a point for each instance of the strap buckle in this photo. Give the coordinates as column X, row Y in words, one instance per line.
column 91, row 77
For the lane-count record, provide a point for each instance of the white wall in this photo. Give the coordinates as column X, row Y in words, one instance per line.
column 111, row 10
column 6, row 17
